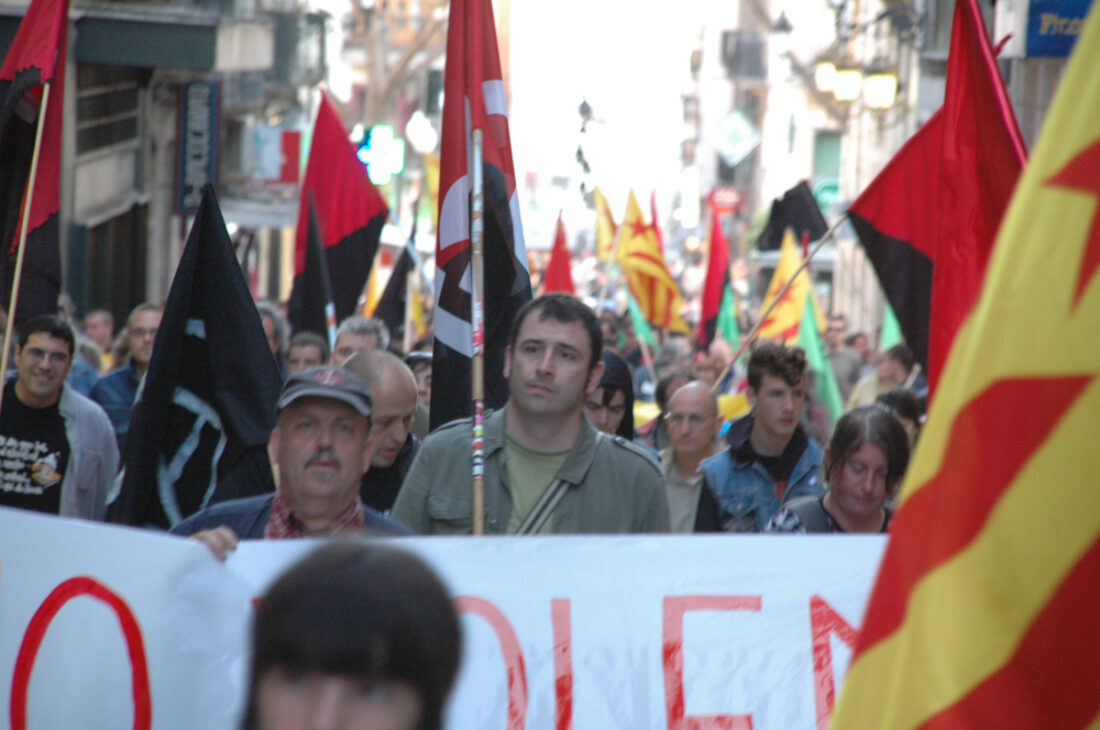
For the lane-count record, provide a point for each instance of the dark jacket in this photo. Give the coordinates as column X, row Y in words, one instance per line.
column 248, row 517
column 379, row 487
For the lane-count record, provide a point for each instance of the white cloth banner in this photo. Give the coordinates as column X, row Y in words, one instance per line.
column 111, row 627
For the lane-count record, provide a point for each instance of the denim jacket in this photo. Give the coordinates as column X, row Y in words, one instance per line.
column 115, row 393
column 745, row 490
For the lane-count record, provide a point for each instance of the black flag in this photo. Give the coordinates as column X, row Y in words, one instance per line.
column 207, row 406
column 311, row 304
column 391, row 305
column 796, row 210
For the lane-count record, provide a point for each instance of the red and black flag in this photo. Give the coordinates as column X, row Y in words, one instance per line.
column 717, row 281
column 391, row 305
column 929, row 220
column 797, row 210
column 474, row 98
column 350, row 214
column 35, row 62
column 207, row 407
column 311, row 303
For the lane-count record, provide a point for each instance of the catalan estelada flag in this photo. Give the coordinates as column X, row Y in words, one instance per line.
column 605, row 226
column 985, row 610
column 640, row 257
column 782, row 324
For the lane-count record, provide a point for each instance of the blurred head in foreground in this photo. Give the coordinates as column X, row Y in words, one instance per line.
column 353, row 636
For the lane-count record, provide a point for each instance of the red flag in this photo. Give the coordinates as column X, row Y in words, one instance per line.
column 718, row 278
column 350, row 215
column 931, row 215
column 36, row 58
column 474, row 99
column 559, row 272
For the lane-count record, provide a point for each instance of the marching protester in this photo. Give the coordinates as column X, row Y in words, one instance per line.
column 845, row 361
column 654, row 434
column 394, row 397
column 59, row 454
column 358, row 334
column 610, row 407
column 693, row 424
column 322, row 446
column 771, row 460
column 277, row 331
column 306, row 350
column 904, row 405
column 353, row 636
column 99, row 327
column 546, row 469
column 116, row 392
column 864, row 464
column 896, row 369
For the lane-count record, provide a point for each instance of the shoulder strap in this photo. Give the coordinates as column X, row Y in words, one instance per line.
column 540, row 513
column 811, row 512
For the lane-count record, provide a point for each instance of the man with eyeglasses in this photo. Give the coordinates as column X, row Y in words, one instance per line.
column 57, row 448
column 116, row 392
column 693, row 424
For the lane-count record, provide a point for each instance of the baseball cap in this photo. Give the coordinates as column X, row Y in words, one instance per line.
column 325, row 381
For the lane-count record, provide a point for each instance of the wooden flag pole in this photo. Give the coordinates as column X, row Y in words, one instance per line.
column 763, row 317
column 24, row 221
column 477, row 326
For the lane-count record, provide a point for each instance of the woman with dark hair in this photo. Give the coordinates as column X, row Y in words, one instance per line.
column 610, row 407
column 863, row 466
column 355, row 636
column 905, row 406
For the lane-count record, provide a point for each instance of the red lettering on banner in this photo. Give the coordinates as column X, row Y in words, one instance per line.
column 563, row 664
column 824, row 622
column 673, row 656
column 36, row 632
column 509, row 650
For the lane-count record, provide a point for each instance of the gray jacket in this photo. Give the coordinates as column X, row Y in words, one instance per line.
column 614, row 486
column 93, row 457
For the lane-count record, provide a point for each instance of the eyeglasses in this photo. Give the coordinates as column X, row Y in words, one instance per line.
column 141, row 332
column 677, row 419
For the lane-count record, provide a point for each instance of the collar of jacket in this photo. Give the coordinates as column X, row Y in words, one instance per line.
column 575, row 466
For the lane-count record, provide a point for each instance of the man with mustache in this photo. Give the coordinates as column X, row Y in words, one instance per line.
column 546, row 469
column 322, row 446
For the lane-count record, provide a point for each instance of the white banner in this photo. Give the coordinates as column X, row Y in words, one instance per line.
column 110, row 627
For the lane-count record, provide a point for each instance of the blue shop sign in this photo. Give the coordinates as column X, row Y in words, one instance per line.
column 1053, row 26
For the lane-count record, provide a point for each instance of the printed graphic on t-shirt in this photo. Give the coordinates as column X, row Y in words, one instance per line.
column 27, row 467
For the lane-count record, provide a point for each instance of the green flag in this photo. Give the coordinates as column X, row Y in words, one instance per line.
column 641, row 327
column 727, row 319
column 809, row 339
column 891, row 330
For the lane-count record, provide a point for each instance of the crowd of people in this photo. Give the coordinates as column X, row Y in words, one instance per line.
column 594, row 438
column 571, row 451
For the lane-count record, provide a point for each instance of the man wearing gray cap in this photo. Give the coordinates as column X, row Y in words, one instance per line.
column 322, row 446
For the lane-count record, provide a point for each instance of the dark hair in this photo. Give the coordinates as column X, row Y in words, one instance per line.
column 564, row 308
column 780, row 361
column 903, row 355
column 616, row 377
column 851, row 341
column 310, row 339
column 661, row 393
column 359, row 610
column 902, row 402
column 868, row 425
column 47, row 324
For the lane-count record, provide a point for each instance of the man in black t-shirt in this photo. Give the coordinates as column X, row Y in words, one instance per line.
column 57, row 448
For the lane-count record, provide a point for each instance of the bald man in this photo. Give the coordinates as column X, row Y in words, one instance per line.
column 393, row 391
column 693, row 425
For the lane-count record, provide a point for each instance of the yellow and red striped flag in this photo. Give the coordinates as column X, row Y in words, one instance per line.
column 783, row 323
column 605, row 226
column 985, row 610
column 640, row 257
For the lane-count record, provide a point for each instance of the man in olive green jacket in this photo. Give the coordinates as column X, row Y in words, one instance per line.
column 546, row 469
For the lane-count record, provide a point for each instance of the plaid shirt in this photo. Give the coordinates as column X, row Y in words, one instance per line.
column 284, row 525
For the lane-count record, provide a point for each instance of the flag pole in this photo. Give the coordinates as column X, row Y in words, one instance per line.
column 763, row 317
column 477, row 326
column 610, row 264
column 24, row 220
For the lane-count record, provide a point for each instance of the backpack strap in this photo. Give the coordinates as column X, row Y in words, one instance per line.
column 811, row 513
column 544, row 508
